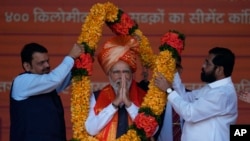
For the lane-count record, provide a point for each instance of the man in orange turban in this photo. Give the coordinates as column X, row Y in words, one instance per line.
column 114, row 108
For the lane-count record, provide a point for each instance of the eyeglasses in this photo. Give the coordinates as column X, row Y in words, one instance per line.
column 118, row 72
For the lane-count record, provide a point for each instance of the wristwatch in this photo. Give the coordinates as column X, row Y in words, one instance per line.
column 169, row 90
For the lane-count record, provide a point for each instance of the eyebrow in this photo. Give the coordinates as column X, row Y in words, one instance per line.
column 121, row 70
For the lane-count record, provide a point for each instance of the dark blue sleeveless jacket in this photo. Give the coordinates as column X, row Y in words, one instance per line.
column 38, row 118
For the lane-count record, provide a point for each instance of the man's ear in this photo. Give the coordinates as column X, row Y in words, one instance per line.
column 220, row 70
column 26, row 66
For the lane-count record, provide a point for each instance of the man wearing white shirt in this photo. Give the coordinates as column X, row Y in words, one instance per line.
column 113, row 108
column 209, row 111
column 36, row 111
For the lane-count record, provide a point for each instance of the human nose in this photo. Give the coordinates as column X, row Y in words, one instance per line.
column 204, row 65
column 46, row 64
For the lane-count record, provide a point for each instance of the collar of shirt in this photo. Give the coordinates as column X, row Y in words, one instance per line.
column 220, row 82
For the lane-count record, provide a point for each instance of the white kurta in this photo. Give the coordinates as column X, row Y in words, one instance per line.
column 208, row 112
column 95, row 123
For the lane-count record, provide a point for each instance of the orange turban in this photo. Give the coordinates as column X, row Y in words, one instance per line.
column 123, row 48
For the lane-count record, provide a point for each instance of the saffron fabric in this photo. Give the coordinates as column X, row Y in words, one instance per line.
column 103, row 117
column 123, row 48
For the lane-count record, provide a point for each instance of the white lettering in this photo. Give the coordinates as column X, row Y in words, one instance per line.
column 16, row 17
column 240, row 132
column 237, row 132
column 243, row 17
column 149, row 18
column 176, row 17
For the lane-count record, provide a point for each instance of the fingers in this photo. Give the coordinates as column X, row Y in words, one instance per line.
column 160, row 75
column 80, row 46
column 124, row 90
column 76, row 51
column 160, row 81
column 123, row 81
column 123, row 85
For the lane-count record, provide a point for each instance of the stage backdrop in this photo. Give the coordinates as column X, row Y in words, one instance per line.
column 56, row 24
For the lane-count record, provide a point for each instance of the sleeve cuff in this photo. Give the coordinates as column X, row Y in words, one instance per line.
column 172, row 96
column 112, row 108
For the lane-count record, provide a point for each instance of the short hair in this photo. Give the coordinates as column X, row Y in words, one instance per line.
column 178, row 62
column 223, row 57
column 29, row 49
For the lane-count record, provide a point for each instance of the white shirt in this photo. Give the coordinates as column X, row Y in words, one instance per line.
column 208, row 112
column 95, row 123
column 29, row 84
column 166, row 133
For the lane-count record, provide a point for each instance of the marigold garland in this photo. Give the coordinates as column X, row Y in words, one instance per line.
column 155, row 100
column 80, row 94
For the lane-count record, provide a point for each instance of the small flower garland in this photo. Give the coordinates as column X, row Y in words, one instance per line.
column 154, row 102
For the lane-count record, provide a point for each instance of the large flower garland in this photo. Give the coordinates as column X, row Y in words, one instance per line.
column 120, row 23
column 145, row 123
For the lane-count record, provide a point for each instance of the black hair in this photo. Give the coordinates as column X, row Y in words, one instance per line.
column 178, row 61
column 29, row 49
column 223, row 57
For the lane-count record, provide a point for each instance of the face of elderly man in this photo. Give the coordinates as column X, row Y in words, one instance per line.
column 118, row 72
